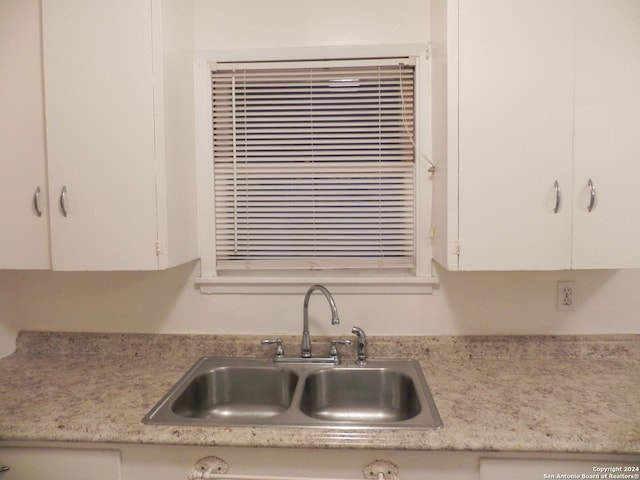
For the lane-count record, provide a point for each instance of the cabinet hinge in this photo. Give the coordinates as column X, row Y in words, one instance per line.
column 455, row 247
column 161, row 248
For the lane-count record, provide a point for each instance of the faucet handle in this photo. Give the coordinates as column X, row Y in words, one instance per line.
column 278, row 343
column 333, row 350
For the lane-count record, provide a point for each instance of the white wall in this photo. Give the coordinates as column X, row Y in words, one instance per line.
column 9, row 316
column 463, row 303
column 237, row 24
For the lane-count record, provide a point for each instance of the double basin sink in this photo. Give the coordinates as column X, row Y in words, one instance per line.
column 259, row 392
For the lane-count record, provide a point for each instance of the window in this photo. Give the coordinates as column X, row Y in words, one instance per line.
column 314, row 172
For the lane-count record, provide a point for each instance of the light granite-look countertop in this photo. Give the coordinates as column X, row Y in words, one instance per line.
column 532, row 393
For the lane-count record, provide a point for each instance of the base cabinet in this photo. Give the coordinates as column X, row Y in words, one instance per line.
column 170, row 463
column 59, row 464
column 135, row 462
column 536, row 469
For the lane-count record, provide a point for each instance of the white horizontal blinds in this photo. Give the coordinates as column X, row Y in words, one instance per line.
column 314, row 167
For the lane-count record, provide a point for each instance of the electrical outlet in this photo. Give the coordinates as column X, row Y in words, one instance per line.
column 566, row 296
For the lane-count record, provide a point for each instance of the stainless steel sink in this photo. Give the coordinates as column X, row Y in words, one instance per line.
column 237, row 392
column 259, row 392
column 367, row 395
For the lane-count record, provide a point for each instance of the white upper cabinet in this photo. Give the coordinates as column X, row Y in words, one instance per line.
column 24, row 241
column 514, row 133
column 540, row 99
column 118, row 83
column 607, row 134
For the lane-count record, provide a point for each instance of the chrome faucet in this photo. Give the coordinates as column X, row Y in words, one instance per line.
column 361, row 345
column 306, row 338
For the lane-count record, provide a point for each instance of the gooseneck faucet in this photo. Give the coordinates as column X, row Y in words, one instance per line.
column 306, row 338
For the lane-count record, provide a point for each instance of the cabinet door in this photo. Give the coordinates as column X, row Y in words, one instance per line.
column 24, row 241
column 607, row 135
column 536, row 469
column 515, row 133
column 60, row 464
column 98, row 76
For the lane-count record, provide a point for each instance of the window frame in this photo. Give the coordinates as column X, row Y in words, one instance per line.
column 420, row 281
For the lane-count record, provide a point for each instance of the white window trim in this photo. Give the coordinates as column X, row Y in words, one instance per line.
column 210, row 283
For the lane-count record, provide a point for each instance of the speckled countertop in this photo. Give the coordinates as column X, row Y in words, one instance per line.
column 534, row 394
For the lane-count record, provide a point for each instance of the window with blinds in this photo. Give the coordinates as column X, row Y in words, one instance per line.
column 314, row 165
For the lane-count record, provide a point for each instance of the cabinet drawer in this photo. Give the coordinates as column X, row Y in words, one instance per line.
column 59, row 464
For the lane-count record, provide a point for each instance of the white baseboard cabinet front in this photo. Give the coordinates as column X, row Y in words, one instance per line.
column 64, row 461
column 36, row 463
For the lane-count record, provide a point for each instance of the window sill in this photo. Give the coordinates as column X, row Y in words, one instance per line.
column 299, row 285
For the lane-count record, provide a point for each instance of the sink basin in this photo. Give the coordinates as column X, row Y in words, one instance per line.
column 258, row 392
column 368, row 395
column 237, row 392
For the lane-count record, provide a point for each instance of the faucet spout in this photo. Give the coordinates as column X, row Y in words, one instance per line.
column 306, row 337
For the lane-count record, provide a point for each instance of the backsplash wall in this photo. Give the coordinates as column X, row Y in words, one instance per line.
column 9, row 314
column 462, row 304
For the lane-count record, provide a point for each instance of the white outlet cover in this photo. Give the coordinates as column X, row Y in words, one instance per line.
column 566, row 296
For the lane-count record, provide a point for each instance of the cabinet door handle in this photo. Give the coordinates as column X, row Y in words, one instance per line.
column 592, row 195
column 63, row 201
column 556, row 186
column 4, row 469
column 36, row 207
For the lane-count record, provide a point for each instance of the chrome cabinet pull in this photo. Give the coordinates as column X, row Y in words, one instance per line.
column 592, row 195
column 556, row 186
column 63, row 201
column 4, row 469
column 36, row 207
